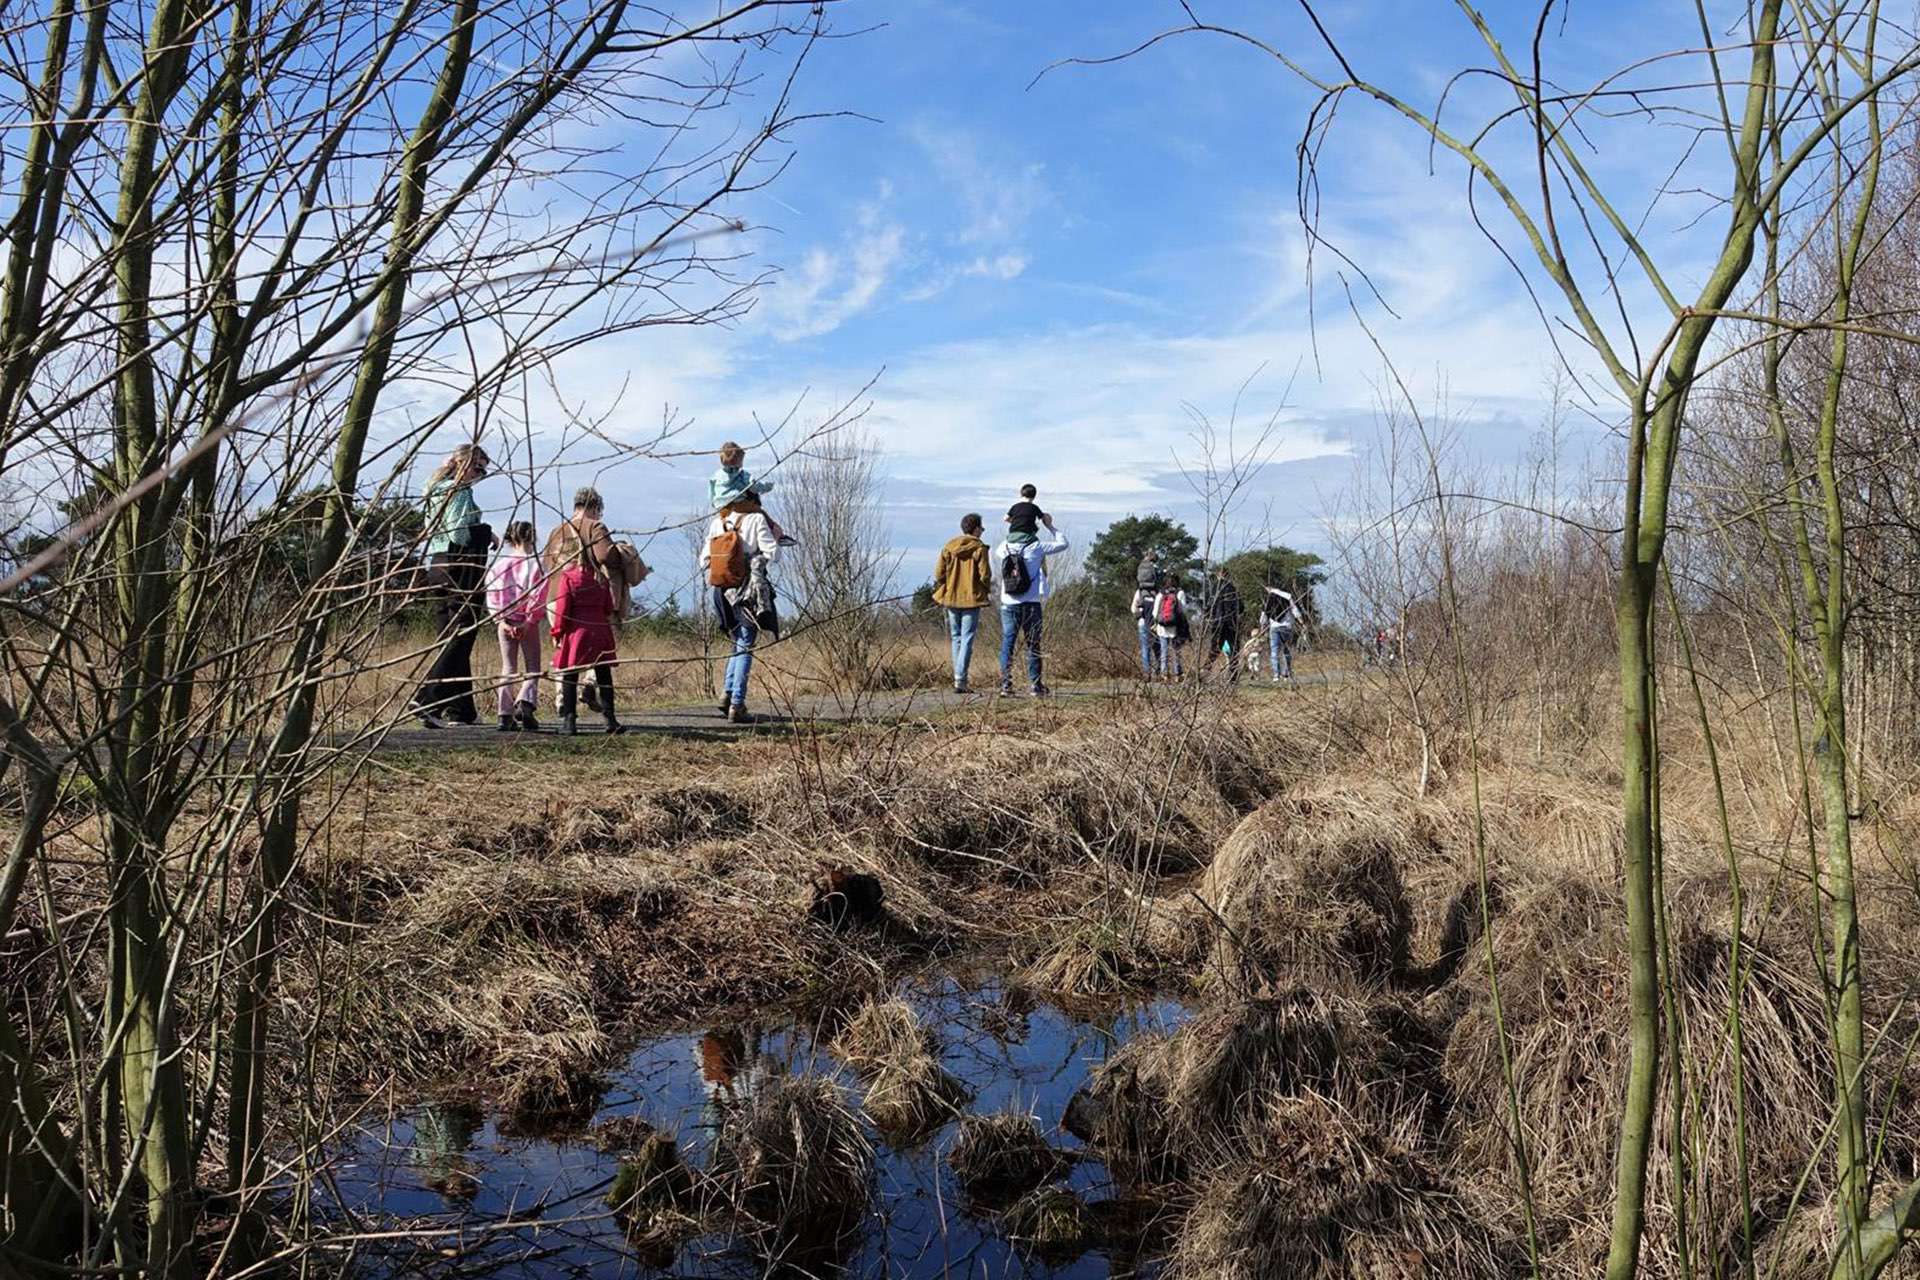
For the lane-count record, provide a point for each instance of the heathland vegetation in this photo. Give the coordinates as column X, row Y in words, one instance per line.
column 1568, row 934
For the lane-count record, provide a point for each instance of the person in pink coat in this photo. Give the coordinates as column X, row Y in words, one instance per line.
column 517, row 599
column 582, row 609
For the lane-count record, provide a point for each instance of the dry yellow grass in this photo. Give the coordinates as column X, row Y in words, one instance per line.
column 908, row 1093
column 1334, row 949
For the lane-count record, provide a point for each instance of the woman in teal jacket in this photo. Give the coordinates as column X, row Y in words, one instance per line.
column 457, row 546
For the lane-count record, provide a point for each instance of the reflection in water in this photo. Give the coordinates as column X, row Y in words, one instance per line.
column 449, row 1166
column 443, row 1133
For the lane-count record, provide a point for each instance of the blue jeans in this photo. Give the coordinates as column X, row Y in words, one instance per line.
column 962, row 626
column 740, row 665
column 1016, row 618
column 737, row 623
column 1280, row 652
column 1146, row 648
column 1169, row 655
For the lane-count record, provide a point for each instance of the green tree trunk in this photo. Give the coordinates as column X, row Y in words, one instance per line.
column 247, row 1097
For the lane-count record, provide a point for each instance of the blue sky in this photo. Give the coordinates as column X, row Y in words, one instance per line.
column 1042, row 276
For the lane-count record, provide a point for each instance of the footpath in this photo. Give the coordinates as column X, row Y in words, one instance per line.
column 704, row 721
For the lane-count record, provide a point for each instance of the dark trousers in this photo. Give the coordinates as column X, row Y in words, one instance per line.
column 1227, row 637
column 570, row 690
column 448, row 688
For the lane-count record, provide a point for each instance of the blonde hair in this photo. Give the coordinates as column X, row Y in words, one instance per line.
column 459, row 462
column 731, row 454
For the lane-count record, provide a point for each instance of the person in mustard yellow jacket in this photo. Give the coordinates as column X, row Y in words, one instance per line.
column 963, row 584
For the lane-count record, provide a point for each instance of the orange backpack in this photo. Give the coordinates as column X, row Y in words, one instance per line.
column 726, row 558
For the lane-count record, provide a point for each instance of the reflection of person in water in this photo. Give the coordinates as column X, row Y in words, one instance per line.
column 442, row 1135
column 731, row 1068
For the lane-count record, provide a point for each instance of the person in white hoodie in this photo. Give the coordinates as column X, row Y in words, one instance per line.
column 746, row 542
column 1282, row 617
column 1024, row 588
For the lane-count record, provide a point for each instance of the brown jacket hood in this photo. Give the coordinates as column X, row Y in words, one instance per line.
column 964, row 577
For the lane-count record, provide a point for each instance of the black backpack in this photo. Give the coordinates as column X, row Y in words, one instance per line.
column 1277, row 607
column 1147, row 576
column 1014, row 578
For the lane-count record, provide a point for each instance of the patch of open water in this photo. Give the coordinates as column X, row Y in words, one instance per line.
column 488, row 1202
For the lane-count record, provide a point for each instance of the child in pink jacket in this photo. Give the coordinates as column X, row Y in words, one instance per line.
column 583, row 611
column 516, row 597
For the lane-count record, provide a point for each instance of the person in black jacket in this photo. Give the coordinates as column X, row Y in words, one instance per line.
column 1223, row 615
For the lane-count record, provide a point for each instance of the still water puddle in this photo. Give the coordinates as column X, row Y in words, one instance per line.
column 484, row 1201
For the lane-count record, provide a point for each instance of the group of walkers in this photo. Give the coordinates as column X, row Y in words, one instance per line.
column 1165, row 614
column 579, row 585
column 964, row 584
column 573, row 592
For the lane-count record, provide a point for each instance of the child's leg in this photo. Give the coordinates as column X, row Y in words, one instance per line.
column 530, row 663
column 509, row 666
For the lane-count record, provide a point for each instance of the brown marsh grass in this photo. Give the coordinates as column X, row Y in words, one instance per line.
column 502, row 918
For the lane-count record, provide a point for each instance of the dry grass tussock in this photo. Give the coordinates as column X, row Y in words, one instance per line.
column 908, row 1093
column 1349, row 884
column 1560, row 948
column 1164, row 1108
column 1300, row 1132
column 1003, row 1155
column 1321, row 1190
column 1151, row 789
column 796, row 1167
column 1311, row 885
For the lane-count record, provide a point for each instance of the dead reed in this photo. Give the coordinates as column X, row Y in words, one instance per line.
column 1003, row 1155
column 908, row 1092
column 795, row 1168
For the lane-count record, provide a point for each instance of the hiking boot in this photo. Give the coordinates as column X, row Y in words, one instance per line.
column 528, row 722
column 509, row 725
column 569, row 727
column 614, row 727
column 737, row 713
column 1006, row 688
column 429, row 719
column 726, row 706
column 959, row 687
column 1041, row 691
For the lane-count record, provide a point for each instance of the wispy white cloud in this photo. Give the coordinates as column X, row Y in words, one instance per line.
column 998, row 193
column 831, row 286
column 1001, row 266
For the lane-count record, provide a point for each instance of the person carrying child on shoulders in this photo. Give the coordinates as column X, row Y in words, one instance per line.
column 1024, row 588
column 1146, row 587
column 741, row 545
column 1023, row 518
column 732, row 484
column 517, row 598
column 1281, row 613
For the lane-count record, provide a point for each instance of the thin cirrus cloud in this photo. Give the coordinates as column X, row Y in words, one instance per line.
column 830, row 287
